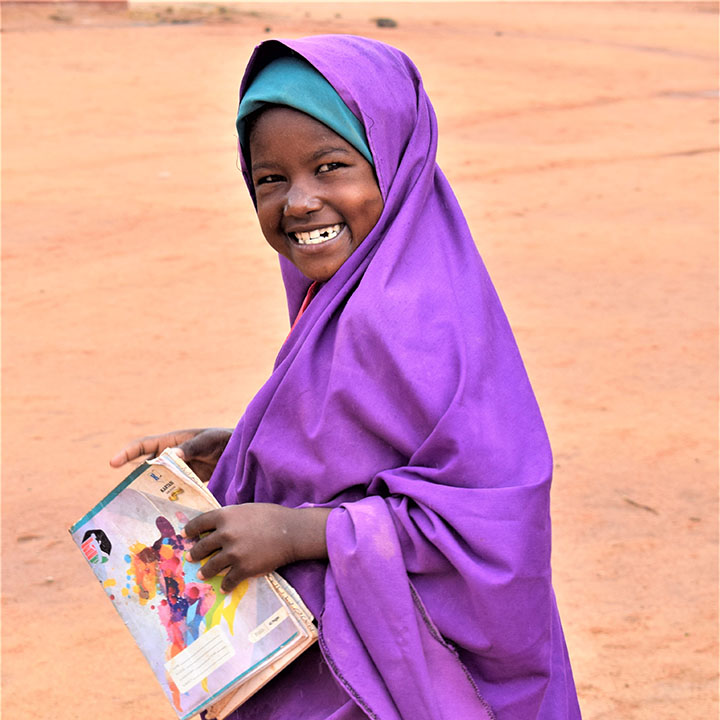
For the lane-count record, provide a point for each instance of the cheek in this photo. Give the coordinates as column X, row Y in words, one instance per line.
column 266, row 209
column 267, row 218
column 367, row 206
column 371, row 210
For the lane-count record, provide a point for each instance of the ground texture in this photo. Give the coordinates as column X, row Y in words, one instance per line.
column 139, row 296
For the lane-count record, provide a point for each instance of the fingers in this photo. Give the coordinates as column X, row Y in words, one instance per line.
column 153, row 445
column 202, row 523
column 207, row 445
column 214, row 566
column 218, row 562
column 242, row 541
column 225, row 561
column 233, row 578
column 144, row 446
column 202, row 451
column 204, row 547
column 221, row 551
column 192, row 447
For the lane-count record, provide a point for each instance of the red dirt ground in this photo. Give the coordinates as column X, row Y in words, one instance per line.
column 139, row 296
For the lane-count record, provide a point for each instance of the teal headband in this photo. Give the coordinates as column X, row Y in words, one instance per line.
column 292, row 81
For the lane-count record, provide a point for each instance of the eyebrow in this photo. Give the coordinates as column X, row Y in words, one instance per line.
column 263, row 166
column 256, row 167
column 327, row 150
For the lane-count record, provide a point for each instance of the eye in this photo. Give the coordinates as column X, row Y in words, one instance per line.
column 266, row 179
column 330, row 166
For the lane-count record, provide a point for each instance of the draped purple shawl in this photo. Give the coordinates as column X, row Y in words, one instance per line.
column 400, row 400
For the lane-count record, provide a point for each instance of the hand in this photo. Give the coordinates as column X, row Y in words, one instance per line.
column 256, row 538
column 201, row 448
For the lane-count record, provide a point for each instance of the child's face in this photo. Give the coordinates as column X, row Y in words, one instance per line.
column 317, row 197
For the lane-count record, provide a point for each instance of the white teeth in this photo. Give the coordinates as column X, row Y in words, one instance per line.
column 315, row 237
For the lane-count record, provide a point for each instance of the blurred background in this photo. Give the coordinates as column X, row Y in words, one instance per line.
column 138, row 296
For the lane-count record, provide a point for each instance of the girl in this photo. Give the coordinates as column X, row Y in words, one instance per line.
column 395, row 464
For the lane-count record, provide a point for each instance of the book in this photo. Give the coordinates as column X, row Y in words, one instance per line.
column 209, row 650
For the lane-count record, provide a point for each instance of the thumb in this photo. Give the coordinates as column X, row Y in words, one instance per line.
column 192, row 448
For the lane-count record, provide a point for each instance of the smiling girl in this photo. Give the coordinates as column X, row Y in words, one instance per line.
column 317, row 197
column 394, row 465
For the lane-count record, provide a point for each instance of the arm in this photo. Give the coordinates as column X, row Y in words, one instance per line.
column 256, row 538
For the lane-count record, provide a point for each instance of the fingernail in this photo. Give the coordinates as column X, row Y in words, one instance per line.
column 188, row 557
column 200, row 574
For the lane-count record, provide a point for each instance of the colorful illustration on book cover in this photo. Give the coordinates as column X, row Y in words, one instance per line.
column 183, row 604
column 95, row 546
column 197, row 639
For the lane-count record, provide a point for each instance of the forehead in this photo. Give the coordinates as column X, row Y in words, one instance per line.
column 284, row 131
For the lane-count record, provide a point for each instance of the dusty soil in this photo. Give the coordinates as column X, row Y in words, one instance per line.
column 139, row 296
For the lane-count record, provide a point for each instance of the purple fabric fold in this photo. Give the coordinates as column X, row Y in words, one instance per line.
column 400, row 400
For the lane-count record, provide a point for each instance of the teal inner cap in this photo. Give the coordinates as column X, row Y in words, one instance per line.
column 294, row 82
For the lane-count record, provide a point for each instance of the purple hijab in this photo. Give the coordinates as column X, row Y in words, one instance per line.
column 400, row 399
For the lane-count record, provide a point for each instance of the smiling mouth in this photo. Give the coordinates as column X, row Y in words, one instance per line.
column 315, row 237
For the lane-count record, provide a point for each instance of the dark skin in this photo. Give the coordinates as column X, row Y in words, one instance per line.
column 256, row 538
column 199, row 447
column 317, row 200
column 249, row 539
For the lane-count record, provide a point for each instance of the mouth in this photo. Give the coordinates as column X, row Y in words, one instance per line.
column 317, row 236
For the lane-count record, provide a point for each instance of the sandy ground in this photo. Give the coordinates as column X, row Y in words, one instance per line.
column 139, row 296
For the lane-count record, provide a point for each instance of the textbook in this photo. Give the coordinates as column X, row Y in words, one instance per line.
column 209, row 650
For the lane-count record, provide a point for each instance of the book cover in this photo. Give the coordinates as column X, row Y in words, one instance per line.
column 200, row 643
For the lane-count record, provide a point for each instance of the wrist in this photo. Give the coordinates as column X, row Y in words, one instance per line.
column 306, row 533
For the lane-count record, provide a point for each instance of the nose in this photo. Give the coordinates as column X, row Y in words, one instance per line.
column 301, row 200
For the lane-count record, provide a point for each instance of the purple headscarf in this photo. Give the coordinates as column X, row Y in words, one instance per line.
column 400, row 399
